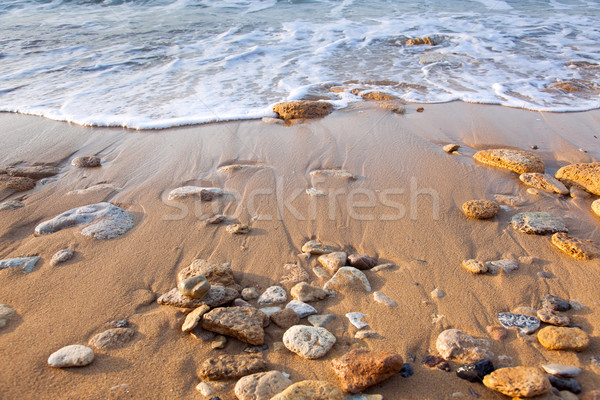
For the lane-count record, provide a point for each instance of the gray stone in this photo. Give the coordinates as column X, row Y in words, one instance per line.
column 562, row 370
column 112, row 338
column 437, row 293
column 203, row 193
column 552, row 318
column 216, row 296
column 261, row 386
column 74, row 355
column 526, row 324
column 11, row 205
column 361, row 261
column 363, row 334
column 355, row 319
column 241, row 303
column 383, row 299
column 273, row 295
column 505, row 265
column 231, row 367
column 270, row 310
column 539, row 223
column 348, row 278
column 555, row 303
column 301, row 308
column 320, row 320
column 27, row 264
column 308, row 341
column 61, row 256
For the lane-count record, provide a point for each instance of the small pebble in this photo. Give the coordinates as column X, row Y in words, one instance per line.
column 406, row 371
column 449, row 148
column 437, row 294
column 219, row 342
column 355, row 319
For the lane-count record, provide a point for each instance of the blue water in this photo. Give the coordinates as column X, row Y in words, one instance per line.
column 161, row 63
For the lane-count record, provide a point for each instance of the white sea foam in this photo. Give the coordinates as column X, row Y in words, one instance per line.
column 162, row 63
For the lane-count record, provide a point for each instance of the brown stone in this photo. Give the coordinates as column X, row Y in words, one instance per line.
column 552, row 318
column 373, row 95
column 193, row 318
column 593, row 395
column 497, row 332
column 576, row 248
column 18, row 183
column 421, row 41
column 360, row 369
column 333, row 261
column 474, row 266
column 303, row 109
column 35, row 172
column 544, row 182
column 584, row 175
column 294, row 275
column 518, row 161
column 481, row 209
column 243, row 323
column 285, row 318
column 305, row 292
column 394, row 106
column 216, row 296
column 518, row 381
column 361, row 261
column 562, row 338
column 231, row 367
column 86, row 162
column 216, row 274
column 111, row 338
column 311, row 390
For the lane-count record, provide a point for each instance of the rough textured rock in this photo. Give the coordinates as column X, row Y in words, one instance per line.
column 311, row 390
column 216, row 274
column 333, row 261
column 474, row 266
column 539, row 223
column 61, row 256
column 348, row 279
column 562, row 370
column 216, row 296
column 285, row 318
column 474, row 372
column 111, row 338
column 237, row 229
column 393, row 106
column 273, row 295
column 317, row 248
column 34, row 172
column 526, row 324
column 308, row 341
column 544, row 182
column 86, row 162
column 193, row 319
column 456, row 345
column 552, row 318
column 261, row 386
column 305, row 292
column 576, row 248
column 383, row 299
column 421, row 41
column 74, row 355
column 243, row 323
column 302, row 109
column 27, row 264
column 301, row 308
column 481, row 209
column 250, row 293
column 450, row 148
column 373, row 95
column 102, row 221
column 555, row 303
column 11, row 205
column 562, row 338
column 294, row 274
column 6, row 314
column 361, row 261
column 513, row 201
column 231, row 367
column 332, row 173
column 360, row 369
column 505, row 265
column 518, row 381
column 518, row 161
column 194, row 287
column 585, row 176
column 203, row 193
column 572, row 385
column 219, row 342
column 17, row 183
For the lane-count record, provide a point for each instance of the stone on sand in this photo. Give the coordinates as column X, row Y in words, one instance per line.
column 215, row 273
column 231, row 366
column 17, row 183
column 496, row 332
column 61, row 256
column 332, row 173
column 474, row 266
column 250, row 293
column 215, row 297
column 577, row 248
column 583, row 175
column 394, row 106
column 333, row 261
column 11, row 205
column 194, row 287
column 111, row 338
column 361, row 261
column 474, row 372
column 355, row 319
column 6, row 314
column 538, row 223
column 555, row 303
column 518, row 161
column 203, row 193
column 309, row 342
column 285, row 318
column 237, row 229
column 193, row 319
column 348, row 279
column 360, row 369
column 506, row 265
column 383, row 299
column 311, row 390
column 518, row 381
column 545, row 182
column 35, row 172
column 317, row 248
column 305, row 292
column 74, row 355
column 273, row 295
column 481, row 209
column 302, row 109
column 526, row 324
column 552, row 318
column 243, row 323
column 563, row 338
column 450, row 148
column 562, row 370
column 261, row 386
column 321, row 320
column 302, row 309
column 27, row 264
column 86, row 162
column 294, row 275
column 456, row 345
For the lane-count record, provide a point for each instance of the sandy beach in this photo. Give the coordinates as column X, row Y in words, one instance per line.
column 403, row 208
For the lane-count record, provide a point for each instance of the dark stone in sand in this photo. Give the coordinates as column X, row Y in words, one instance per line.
column 361, row 261
column 406, row 371
column 256, row 349
column 572, row 385
column 436, row 362
column 475, row 372
column 555, row 303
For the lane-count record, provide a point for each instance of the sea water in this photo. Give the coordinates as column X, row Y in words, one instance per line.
column 161, row 63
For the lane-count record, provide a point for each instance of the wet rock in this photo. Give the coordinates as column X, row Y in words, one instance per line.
column 194, row 287
column 474, row 266
column 450, row 148
column 231, row 367
column 572, row 385
column 237, row 229
column 481, row 209
column 333, row 261
column 355, row 319
column 544, row 182
column 360, row 369
column 406, row 371
column 305, row 292
column 394, row 106
column 383, row 299
column 101, row 221
column 550, row 317
column 27, row 264
column 555, row 303
column 250, row 293
column 373, row 95
column 11, row 205
column 496, row 332
column 216, row 274
column 333, row 173
column 562, row 370
column 285, row 318
column 203, row 193
column 311, row 390
column 193, row 319
column 506, row 265
column 421, row 41
column 513, row 201
column 19, row 184
column 576, row 248
column 317, row 248
column 96, row 188
column 219, row 342
column 112, row 338
column 308, row 341
column 261, row 386
column 584, row 175
column 526, row 324
column 348, row 279
column 320, row 320
column 294, row 274
column 474, row 372
column 518, row 161
column 539, row 223
column 86, row 162
column 35, row 172
column 518, row 381
column 273, row 295
column 61, row 256
column 302, row 109
column 243, row 323
column 562, row 338
column 301, row 308
column 216, row 296
column 74, row 355
column 361, row 261
column 456, row 345
column 436, row 362
column 6, row 314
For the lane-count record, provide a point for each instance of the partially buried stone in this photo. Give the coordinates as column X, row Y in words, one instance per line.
column 203, row 193
column 74, row 355
column 550, row 317
column 243, row 323
column 555, row 303
column 394, row 106
column 320, row 320
column 294, row 274
column 112, row 338
column 562, row 338
column 333, row 261
column 237, row 229
column 365, row 334
column 61, row 256
column 252, row 349
column 518, row 161
column 216, row 296
column 513, row 201
column 285, row 318
column 450, row 148
column 572, row 385
column 406, row 371
column 456, row 345
column 215, row 273
column 574, row 247
column 308, row 341
column 437, row 293
column 518, row 381
column 562, row 370
column 526, row 324
column 11, row 205
column 481, row 209
column 311, row 390
column 302, row 109
column 317, row 248
column 438, row 362
column 474, row 266
column 261, row 386
column 474, row 372
column 496, row 332
column 302, row 309
column 86, row 162
column 305, row 292
column 361, row 261
column 348, row 279
column 216, row 219
column 6, row 314
column 383, row 299
column 360, row 369
column 19, row 184
column 355, row 319
column 332, row 173
column 539, row 223
column 27, row 264
column 241, row 303
column 231, row 367
column 505, row 265
column 544, row 182
column 195, row 287
column 583, row 175
column 273, row 295
column 193, row 318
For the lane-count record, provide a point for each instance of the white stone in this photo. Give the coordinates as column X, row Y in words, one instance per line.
column 273, row 295
column 301, row 308
column 261, row 386
column 562, row 370
column 205, row 389
column 355, row 319
column 61, row 256
column 315, row 192
column 74, row 355
column 270, row 310
column 96, row 188
column 308, row 341
column 195, row 191
column 383, row 299
column 505, row 265
column 26, row 263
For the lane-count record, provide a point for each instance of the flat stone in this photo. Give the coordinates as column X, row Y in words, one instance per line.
column 456, row 345
column 320, row 320
column 383, row 299
column 544, row 182
column 193, row 319
column 294, row 274
column 27, row 264
column 285, row 318
column 555, row 303
column 6, row 314
column 101, row 221
column 315, row 192
column 518, row 381
column 361, row 369
column 309, row 342
column 355, row 319
column 250, row 293
column 317, row 248
column 35, row 172
column 574, row 247
column 268, row 311
column 74, row 355
column 361, row 261
column 231, row 367
column 243, row 323
column 526, row 324
column 302, row 309
column 450, row 148
column 18, row 184
column 311, row 390
column 96, row 188
column 550, row 317
column 261, row 386
column 562, row 338
column 474, row 266
column 513, row 201
column 302, row 109
column 61, row 256
column 373, row 95
column 518, row 161
column 481, row 209
column 205, row 389
column 237, row 229
column 506, row 265
column 538, row 223
column 216, row 296
column 394, row 106
column 562, row 370
column 348, row 279
column 382, row 267
column 572, row 385
column 241, row 303
column 86, row 162
column 583, row 175
column 273, row 295
column 11, row 205
column 321, row 273
column 112, row 338
column 474, row 372
column 333, row 173
column 203, row 193
column 305, row 292
column 216, row 274
column 195, row 287
column 333, row 261
column 496, row 332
